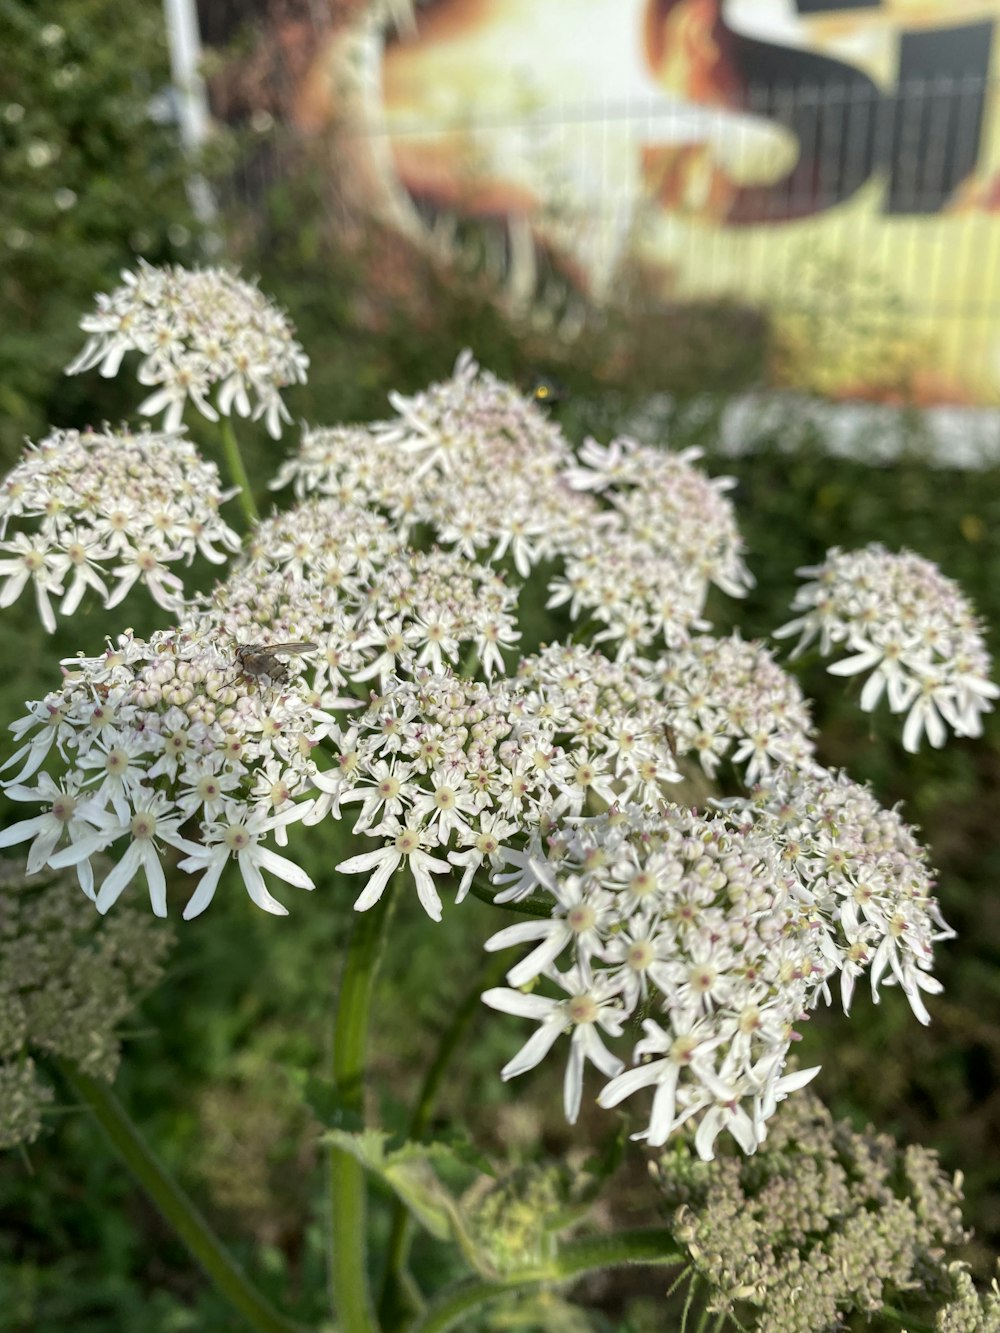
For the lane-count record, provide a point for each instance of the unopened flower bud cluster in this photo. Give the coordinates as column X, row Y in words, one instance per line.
column 821, row 1223
column 95, row 509
column 205, row 336
column 969, row 1311
column 901, row 620
column 65, row 987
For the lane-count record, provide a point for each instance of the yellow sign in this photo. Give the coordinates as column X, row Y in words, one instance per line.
column 836, row 161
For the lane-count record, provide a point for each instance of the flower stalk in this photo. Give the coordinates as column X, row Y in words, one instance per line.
column 350, row 1291
column 187, row 1222
column 237, row 472
column 573, row 1260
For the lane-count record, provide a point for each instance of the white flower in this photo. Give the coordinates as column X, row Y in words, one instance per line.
column 85, row 501
column 197, row 331
column 33, row 559
column 68, row 813
column 151, row 823
column 407, row 845
column 908, row 625
column 240, row 839
column 585, row 1008
column 683, row 1052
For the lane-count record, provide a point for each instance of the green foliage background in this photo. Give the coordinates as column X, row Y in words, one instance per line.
column 216, row 1068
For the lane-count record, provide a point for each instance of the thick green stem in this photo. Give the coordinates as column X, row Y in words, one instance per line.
column 573, row 1259
column 350, row 1292
column 191, row 1228
column 237, row 472
column 395, row 1285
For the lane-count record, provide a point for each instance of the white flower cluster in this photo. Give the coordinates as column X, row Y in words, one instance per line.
column 200, row 333
column 727, row 930
column 869, row 877
column 672, row 506
column 471, row 457
column 342, row 578
column 111, row 506
column 159, row 743
column 693, row 921
column 461, row 769
column 726, row 698
column 908, row 625
column 341, row 674
column 492, row 474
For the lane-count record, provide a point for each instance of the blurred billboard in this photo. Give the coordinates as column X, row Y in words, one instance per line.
column 837, row 161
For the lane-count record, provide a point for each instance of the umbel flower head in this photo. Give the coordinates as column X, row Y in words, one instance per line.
column 696, row 922
column 158, row 745
column 204, row 335
column 910, row 627
column 470, row 457
column 108, row 507
column 725, row 930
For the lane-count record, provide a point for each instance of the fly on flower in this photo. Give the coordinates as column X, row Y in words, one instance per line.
column 259, row 660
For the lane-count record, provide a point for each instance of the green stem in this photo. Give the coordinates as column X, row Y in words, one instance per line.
column 349, row 1285
column 526, row 906
column 191, row 1228
column 237, row 472
column 395, row 1284
column 574, row 1259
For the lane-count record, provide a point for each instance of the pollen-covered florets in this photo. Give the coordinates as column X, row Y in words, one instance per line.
column 869, row 877
column 697, row 921
column 204, row 335
column 97, row 508
column 908, row 625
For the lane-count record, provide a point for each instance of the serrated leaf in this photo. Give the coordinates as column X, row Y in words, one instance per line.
column 324, row 1100
column 409, row 1173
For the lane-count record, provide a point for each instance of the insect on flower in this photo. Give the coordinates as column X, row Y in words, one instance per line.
column 257, row 661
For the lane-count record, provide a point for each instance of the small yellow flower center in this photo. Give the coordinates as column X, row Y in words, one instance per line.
column 143, row 825
column 237, row 838
column 408, row 841
column 63, row 808
column 116, row 762
column 582, row 1009
column 640, row 955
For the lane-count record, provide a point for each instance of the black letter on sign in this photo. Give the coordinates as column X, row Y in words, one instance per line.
column 936, row 117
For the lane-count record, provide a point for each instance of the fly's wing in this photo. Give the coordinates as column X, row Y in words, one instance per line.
column 294, row 646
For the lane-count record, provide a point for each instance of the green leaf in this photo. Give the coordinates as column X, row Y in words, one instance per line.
column 409, row 1172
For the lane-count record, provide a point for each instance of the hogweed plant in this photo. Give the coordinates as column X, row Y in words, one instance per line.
column 645, row 795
